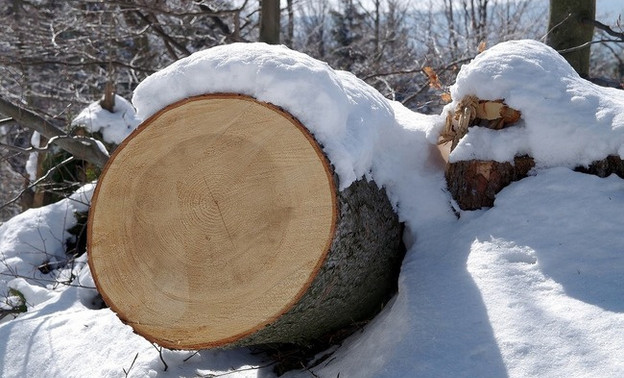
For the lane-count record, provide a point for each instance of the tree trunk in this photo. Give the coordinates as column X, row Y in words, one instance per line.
column 568, row 31
column 218, row 223
column 290, row 29
column 270, row 21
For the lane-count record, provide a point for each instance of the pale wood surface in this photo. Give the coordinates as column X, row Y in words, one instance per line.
column 210, row 221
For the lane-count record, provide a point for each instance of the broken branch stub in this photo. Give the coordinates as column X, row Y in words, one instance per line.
column 474, row 183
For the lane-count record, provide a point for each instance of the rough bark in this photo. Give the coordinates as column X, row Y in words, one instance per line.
column 474, row 183
column 602, row 168
column 355, row 280
column 270, row 21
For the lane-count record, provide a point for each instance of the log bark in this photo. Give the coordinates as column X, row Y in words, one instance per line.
column 474, row 183
column 612, row 164
column 218, row 223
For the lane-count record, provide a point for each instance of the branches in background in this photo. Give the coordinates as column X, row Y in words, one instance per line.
column 82, row 148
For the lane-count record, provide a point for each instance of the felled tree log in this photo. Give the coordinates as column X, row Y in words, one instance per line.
column 218, row 223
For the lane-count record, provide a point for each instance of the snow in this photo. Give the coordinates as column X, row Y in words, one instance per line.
column 115, row 126
column 533, row 286
column 567, row 121
column 335, row 106
column 31, row 163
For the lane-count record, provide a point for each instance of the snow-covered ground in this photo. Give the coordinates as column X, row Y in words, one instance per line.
column 533, row 287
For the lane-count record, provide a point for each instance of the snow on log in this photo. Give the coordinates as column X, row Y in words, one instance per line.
column 233, row 232
column 532, row 113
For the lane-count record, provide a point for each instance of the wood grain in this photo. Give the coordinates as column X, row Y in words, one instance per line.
column 211, row 220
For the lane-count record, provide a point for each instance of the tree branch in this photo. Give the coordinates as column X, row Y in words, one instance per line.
column 154, row 24
column 582, row 46
column 606, row 28
column 80, row 147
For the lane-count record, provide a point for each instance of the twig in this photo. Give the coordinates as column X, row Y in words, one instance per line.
column 582, row 46
column 6, row 120
column 36, row 182
column 398, row 72
column 191, row 356
column 545, row 36
column 159, row 349
column 440, row 70
column 69, row 283
column 131, row 365
column 152, row 21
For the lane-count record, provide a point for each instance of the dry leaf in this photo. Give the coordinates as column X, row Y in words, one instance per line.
column 434, row 82
column 446, row 97
column 482, row 47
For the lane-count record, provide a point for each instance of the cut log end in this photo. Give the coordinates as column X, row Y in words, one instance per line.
column 212, row 221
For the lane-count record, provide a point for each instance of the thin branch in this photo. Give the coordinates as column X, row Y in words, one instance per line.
column 234, row 371
column 582, row 46
column 36, row 61
column 131, row 365
column 440, row 70
column 153, row 22
column 36, row 182
column 545, row 36
column 398, row 72
column 6, row 120
column 66, row 283
column 160, row 349
column 17, row 149
column 606, row 28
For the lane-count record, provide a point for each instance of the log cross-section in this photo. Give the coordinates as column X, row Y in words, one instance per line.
column 219, row 218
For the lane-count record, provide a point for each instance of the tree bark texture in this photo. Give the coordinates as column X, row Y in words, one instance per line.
column 568, row 31
column 270, row 21
column 602, row 168
column 357, row 277
column 474, row 183
column 218, row 223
